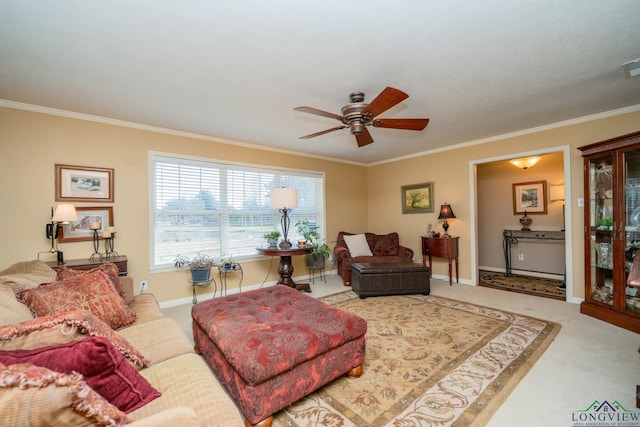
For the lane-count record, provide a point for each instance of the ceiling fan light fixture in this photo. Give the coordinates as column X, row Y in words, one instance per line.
column 357, row 127
column 525, row 162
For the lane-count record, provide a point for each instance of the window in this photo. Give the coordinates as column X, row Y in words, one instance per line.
column 222, row 209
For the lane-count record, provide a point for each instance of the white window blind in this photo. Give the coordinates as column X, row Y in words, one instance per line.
column 222, row 209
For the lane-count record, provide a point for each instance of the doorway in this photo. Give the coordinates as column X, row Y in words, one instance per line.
column 504, row 185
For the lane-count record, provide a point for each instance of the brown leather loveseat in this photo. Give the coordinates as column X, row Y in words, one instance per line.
column 384, row 247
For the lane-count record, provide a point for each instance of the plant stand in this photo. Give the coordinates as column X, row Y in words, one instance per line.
column 316, row 263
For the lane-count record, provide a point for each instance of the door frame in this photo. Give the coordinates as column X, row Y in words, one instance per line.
column 473, row 203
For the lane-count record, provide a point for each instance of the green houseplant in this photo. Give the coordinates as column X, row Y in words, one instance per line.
column 321, row 251
column 199, row 265
column 272, row 238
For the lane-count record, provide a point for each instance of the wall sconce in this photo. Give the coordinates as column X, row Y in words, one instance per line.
column 63, row 214
column 284, row 199
column 525, row 162
column 446, row 213
column 556, row 192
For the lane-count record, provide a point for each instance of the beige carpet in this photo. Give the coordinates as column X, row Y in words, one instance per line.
column 537, row 286
column 430, row 361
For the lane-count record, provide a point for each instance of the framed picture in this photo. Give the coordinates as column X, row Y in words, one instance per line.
column 530, row 197
column 82, row 183
column 417, row 198
column 80, row 230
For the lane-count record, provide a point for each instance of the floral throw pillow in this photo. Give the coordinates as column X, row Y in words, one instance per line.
column 91, row 292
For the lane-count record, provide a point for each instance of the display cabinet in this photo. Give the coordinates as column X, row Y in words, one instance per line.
column 612, row 229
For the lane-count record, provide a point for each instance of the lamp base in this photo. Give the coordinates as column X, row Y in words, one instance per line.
column 445, row 226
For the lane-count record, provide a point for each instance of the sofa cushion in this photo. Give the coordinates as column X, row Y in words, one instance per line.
column 104, row 369
column 12, row 310
column 357, row 245
column 109, row 268
column 62, row 328
column 91, row 292
column 26, row 275
column 36, row 396
column 386, row 244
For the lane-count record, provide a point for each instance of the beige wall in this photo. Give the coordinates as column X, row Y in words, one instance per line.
column 450, row 173
column 358, row 198
column 32, row 143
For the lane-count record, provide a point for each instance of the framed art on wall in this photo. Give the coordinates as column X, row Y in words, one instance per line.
column 530, row 197
column 83, row 183
column 80, row 230
column 417, row 198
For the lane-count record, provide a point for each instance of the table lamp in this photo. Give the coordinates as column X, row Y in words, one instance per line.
column 284, row 199
column 63, row 214
column 446, row 213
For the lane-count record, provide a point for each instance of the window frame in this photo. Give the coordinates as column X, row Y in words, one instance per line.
column 224, row 165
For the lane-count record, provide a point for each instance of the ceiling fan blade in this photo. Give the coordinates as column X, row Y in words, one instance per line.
column 317, row 112
column 364, row 138
column 321, row 132
column 388, row 98
column 410, row 124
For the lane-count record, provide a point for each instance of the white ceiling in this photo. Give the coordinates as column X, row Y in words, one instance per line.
column 236, row 69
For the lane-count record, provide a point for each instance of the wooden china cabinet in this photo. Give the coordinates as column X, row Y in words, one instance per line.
column 612, row 229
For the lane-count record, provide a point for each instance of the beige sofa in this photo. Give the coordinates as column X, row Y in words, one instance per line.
column 191, row 394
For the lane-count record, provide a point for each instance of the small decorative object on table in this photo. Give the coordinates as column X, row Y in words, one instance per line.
column 526, row 222
column 272, row 238
column 109, row 236
column 96, row 256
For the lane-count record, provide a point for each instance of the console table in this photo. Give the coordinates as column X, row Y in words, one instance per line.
column 444, row 247
column 285, row 268
column 511, row 237
column 87, row 264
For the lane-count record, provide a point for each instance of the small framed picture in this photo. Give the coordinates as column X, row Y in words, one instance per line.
column 530, row 197
column 417, row 198
column 80, row 230
column 83, row 183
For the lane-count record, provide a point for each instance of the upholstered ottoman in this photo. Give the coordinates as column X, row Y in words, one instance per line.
column 389, row 278
column 272, row 346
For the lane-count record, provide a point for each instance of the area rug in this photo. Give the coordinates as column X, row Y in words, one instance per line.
column 538, row 286
column 430, row 361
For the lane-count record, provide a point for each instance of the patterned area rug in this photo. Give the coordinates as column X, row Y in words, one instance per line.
column 538, row 286
column 430, row 361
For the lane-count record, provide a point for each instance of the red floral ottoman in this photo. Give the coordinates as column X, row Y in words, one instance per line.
column 272, row 346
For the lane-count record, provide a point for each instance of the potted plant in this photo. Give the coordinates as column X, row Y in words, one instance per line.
column 200, row 266
column 272, row 238
column 309, row 232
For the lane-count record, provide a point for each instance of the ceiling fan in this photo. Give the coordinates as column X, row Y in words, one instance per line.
column 357, row 115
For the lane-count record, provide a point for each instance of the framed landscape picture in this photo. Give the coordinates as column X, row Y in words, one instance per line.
column 80, row 230
column 530, row 197
column 83, row 183
column 417, row 198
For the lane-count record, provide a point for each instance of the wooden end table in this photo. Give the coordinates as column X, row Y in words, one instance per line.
column 285, row 268
column 444, row 247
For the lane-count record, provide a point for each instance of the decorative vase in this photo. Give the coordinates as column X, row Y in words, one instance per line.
column 272, row 243
column 526, row 222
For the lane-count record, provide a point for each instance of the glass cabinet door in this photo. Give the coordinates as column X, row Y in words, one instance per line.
column 602, row 211
column 631, row 238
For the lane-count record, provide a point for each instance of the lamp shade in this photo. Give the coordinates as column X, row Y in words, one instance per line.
column 284, row 198
column 446, row 212
column 556, row 192
column 64, row 213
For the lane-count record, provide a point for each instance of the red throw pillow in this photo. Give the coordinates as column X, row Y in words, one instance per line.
column 91, row 292
column 104, row 369
column 109, row 268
